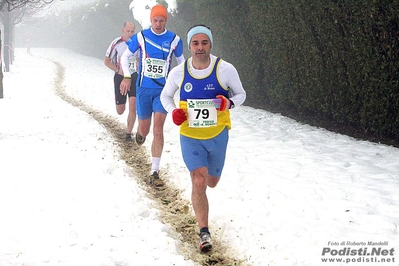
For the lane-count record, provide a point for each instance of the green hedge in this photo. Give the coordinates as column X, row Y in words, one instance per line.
column 335, row 60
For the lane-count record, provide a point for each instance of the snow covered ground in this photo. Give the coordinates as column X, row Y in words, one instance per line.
column 289, row 192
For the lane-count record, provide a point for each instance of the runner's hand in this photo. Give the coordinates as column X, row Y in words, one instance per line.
column 179, row 116
column 224, row 103
column 125, row 86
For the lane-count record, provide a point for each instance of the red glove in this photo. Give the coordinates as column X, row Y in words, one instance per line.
column 224, row 103
column 179, row 116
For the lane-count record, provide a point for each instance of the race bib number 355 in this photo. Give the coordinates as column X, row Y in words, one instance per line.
column 154, row 68
column 201, row 113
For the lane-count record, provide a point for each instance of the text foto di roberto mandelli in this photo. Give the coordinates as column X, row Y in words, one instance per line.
column 355, row 243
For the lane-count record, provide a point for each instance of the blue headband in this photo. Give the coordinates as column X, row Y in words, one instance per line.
column 197, row 30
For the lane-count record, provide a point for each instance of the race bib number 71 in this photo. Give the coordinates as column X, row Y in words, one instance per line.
column 201, row 113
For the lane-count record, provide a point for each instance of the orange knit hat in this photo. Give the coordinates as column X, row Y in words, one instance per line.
column 159, row 10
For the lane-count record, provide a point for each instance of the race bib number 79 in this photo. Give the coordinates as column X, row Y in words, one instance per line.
column 201, row 113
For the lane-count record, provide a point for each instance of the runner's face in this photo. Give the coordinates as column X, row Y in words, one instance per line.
column 200, row 46
column 128, row 31
column 158, row 24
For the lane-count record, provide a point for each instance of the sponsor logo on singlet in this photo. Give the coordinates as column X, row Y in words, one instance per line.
column 188, row 87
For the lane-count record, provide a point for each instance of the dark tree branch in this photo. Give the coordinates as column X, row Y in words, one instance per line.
column 15, row 4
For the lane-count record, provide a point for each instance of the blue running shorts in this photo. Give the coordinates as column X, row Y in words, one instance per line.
column 148, row 102
column 210, row 153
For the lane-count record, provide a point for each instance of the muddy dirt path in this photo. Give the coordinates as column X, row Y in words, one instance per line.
column 175, row 210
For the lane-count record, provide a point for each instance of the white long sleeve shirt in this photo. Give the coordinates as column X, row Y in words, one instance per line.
column 227, row 75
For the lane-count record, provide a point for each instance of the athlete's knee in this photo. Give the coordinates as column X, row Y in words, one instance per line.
column 199, row 183
column 144, row 126
column 199, row 178
column 132, row 101
column 158, row 133
column 158, row 130
column 212, row 181
column 132, row 110
column 120, row 109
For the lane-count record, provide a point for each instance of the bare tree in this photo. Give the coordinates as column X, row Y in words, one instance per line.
column 11, row 13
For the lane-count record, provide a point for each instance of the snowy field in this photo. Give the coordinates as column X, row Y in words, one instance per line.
column 290, row 194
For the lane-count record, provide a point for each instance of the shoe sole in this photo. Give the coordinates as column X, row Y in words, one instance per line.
column 156, row 182
column 139, row 141
column 206, row 247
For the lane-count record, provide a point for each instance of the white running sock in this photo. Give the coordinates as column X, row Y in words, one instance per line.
column 155, row 164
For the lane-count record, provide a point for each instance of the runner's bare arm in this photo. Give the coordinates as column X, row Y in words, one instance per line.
column 109, row 64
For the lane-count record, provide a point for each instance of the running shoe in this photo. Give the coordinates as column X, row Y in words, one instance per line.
column 155, row 180
column 139, row 139
column 205, row 242
column 128, row 137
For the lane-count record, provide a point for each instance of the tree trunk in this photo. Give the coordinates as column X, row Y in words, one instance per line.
column 1, row 82
column 1, row 72
column 12, row 46
column 7, row 44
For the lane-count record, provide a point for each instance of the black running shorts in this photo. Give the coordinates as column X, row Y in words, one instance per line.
column 119, row 98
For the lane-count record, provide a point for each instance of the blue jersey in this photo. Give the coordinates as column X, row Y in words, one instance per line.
column 156, row 53
column 205, row 88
